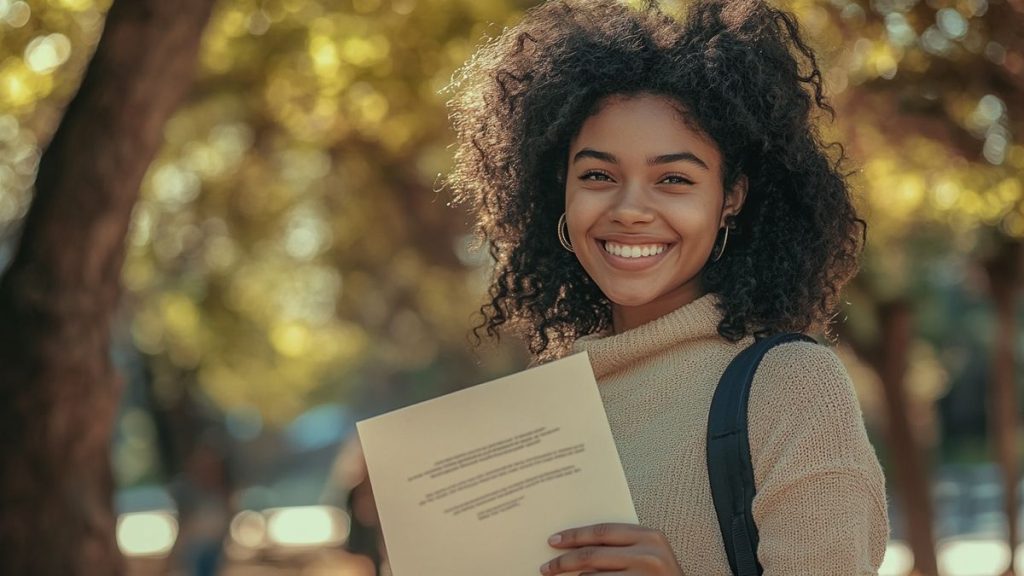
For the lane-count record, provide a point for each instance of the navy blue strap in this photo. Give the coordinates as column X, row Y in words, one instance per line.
column 729, row 467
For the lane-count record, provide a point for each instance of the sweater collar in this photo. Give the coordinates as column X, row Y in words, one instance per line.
column 609, row 353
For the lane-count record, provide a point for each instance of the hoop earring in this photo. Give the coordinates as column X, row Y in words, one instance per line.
column 717, row 254
column 563, row 233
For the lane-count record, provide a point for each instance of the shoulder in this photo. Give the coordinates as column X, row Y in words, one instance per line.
column 810, row 450
column 802, row 396
column 801, row 360
column 803, row 387
column 803, row 374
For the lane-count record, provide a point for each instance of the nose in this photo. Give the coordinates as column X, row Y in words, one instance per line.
column 632, row 205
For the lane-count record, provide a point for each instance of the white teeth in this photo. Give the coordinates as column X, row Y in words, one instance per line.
column 625, row 251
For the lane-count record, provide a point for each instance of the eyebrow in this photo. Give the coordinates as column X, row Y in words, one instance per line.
column 662, row 159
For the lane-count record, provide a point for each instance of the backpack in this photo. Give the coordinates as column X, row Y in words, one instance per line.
column 728, row 452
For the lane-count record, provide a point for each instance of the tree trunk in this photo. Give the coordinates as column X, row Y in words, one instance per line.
column 911, row 478
column 58, row 389
column 1004, row 273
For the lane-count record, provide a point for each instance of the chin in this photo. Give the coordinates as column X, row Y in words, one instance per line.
column 630, row 300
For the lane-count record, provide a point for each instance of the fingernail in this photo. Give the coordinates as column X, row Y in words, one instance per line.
column 555, row 539
column 544, row 569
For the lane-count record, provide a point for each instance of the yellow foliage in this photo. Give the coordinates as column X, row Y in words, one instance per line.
column 20, row 87
column 291, row 339
column 138, row 274
column 365, row 51
column 179, row 315
column 80, row 5
column 883, row 60
column 277, row 245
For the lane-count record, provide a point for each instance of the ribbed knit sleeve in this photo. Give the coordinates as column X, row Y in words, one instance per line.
column 820, row 505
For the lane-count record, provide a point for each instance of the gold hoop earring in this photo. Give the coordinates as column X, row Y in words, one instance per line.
column 563, row 233
column 717, row 254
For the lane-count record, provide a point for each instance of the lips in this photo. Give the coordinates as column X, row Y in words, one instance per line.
column 620, row 255
column 623, row 250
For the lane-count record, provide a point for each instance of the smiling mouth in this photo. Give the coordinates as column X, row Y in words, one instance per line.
column 633, row 250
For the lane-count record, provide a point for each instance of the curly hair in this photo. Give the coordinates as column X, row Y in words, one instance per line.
column 743, row 76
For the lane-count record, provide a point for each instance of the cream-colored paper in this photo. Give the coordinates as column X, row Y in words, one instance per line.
column 474, row 482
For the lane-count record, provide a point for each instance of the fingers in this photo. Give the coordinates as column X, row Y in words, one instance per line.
column 588, row 558
column 624, row 549
column 603, row 535
column 611, row 560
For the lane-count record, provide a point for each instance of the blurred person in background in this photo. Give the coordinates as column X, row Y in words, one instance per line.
column 365, row 537
column 202, row 493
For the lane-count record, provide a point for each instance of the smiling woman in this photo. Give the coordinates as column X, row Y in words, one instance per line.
column 644, row 205
column 655, row 193
column 742, row 82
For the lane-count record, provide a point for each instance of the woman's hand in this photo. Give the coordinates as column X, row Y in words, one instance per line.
column 622, row 549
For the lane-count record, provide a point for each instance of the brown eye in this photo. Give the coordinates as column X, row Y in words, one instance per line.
column 677, row 180
column 596, row 176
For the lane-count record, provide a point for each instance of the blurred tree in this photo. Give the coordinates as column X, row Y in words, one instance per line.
column 931, row 94
column 290, row 245
column 1004, row 270
column 58, row 391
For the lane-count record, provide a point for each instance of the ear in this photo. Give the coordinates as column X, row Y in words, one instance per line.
column 734, row 199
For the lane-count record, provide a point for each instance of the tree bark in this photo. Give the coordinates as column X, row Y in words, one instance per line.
column 911, row 478
column 58, row 388
column 1004, row 272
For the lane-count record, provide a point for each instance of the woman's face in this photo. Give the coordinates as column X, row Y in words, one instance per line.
column 644, row 204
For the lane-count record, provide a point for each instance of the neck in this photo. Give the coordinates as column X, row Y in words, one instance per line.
column 629, row 317
column 696, row 321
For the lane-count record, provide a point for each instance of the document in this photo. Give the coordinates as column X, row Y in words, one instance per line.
column 474, row 482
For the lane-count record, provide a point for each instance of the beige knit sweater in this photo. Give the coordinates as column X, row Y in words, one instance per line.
column 820, row 503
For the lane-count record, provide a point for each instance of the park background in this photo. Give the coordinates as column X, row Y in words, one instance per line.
column 242, row 214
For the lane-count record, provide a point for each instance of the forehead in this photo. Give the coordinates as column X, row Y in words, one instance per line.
column 643, row 125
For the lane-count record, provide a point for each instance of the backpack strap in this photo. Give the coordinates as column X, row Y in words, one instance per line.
column 728, row 452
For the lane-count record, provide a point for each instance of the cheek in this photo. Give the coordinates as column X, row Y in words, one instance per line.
column 580, row 211
column 697, row 221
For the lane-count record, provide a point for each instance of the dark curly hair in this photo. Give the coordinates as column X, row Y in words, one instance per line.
column 743, row 76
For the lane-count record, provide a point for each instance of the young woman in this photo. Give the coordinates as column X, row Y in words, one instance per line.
column 654, row 192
